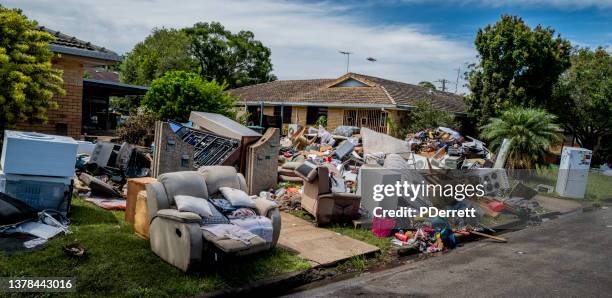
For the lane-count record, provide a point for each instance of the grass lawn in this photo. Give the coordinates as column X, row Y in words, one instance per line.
column 119, row 263
column 599, row 186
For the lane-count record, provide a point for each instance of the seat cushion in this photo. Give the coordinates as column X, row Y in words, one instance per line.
column 308, row 171
column 234, row 246
column 188, row 183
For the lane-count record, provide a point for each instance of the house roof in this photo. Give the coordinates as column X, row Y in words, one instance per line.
column 330, row 92
column 70, row 45
column 99, row 73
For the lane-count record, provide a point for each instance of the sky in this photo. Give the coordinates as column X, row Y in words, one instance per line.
column 411, row 40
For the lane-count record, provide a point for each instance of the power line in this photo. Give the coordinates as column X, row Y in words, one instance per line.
column 443, row 81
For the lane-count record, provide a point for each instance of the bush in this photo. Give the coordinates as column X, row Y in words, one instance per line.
column 425, row 115
column 28, row 81
column 177, row 93
column 138, row 129
column 531, row 132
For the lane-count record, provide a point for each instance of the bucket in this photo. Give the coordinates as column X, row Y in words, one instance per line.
column 381, row 227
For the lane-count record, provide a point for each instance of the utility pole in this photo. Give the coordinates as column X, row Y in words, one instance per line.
column 457, row 82
column 348, row 58
column 443, row 81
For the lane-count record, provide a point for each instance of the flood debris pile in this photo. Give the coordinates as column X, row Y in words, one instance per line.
column 439, row 156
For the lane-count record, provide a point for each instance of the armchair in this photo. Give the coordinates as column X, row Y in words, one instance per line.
column 178, row 237
column 325, row 205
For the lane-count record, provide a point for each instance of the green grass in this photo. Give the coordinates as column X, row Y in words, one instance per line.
column 599, row 186
column 119, row 263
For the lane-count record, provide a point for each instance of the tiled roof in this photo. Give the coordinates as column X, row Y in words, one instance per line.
column 322, row 91
column 71, row 45
column 98, row 73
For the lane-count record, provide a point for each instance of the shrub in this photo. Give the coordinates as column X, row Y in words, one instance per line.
column 177, row 93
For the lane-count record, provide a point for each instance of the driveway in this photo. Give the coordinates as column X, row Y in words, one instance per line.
column 568, row 256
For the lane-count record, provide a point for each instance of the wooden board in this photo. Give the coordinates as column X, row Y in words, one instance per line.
column 319, row 245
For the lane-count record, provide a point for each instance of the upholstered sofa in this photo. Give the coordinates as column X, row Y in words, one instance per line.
column 321, row 199
column 179, row 238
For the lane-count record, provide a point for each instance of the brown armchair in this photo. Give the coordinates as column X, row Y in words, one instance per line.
column 319, row 200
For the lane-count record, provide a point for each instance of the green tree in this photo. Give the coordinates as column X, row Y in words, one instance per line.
column 28, row 81
column 177, row 93
column 427, row 84
column 585, row 90
column 425, row 115
column 518, row 67
column 164, row 50
column 237, row 59
column 531, row 132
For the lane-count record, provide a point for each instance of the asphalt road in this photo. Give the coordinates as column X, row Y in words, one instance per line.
column 567, row 256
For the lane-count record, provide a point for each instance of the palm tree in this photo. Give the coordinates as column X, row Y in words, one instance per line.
column 530, row 131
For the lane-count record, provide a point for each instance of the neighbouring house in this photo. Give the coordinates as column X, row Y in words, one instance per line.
column 85, row 107
column 352, row 99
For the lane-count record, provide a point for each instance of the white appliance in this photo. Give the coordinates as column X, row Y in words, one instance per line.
column 573, row 172
column 39, row 192
column 31, row 153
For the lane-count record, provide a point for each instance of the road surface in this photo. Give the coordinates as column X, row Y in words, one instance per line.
column 567, row 256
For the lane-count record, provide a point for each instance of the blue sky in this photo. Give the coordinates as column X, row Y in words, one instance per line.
column 413, row 40
column 589, row 25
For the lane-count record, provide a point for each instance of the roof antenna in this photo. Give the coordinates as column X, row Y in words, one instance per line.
column 348, row 58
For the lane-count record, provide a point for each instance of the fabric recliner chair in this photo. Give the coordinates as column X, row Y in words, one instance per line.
column 318, row 198
column 178, row 238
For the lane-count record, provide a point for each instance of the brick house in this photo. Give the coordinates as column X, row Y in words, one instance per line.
column 83, row 96
column 352, row 99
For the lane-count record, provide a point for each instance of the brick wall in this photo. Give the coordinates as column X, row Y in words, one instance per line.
column 70, row 105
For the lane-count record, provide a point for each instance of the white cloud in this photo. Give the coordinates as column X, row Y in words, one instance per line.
column 304, row 38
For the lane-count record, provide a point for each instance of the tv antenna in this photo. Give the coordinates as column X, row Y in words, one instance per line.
column 348, row 58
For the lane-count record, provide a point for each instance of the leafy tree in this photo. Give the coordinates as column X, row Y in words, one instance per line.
column 177, row 93
column 164, row 50
column 425, row 115
column 585, row 90
column 518, row 67
column 237, row 59
column 530, row 131
column 427, row 84
column 27, row 80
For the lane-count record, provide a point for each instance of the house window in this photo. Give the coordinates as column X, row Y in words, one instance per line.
column 285, row 115
column 313, row 113
column 373, row 119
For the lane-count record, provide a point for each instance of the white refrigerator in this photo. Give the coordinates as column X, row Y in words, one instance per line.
column 573, row 172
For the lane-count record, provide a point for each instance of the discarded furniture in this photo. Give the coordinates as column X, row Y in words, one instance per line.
column 141, row 217
column 134, row 186
column 182, row 148
column 37, row 169
column 226, row 127
column 318, row 198
column 262, row 162
column 179, row 238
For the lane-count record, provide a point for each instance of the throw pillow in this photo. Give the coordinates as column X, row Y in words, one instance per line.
column 237, row 197
column 198, row 206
